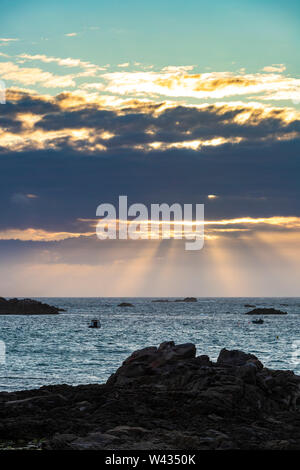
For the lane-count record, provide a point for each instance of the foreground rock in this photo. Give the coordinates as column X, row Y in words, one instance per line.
column 266, row 311
column 162, row 397
column 26, row 307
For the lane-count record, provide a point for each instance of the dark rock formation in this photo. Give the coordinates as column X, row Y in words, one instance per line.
column 125, row 304
column 162, row 398
column 187, row 299
column 237, row 358
column 266, row 311
column 250, row 305
column 26, row 307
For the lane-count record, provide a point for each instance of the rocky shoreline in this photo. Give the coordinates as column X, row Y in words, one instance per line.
column 162, row 398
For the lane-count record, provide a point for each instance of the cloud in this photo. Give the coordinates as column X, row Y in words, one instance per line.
column 71, row 35
column 34, row 76
column 213, row 229
column 178, row 68
column 53, row 147
column 176, row 82
column 7, row 41
column 90, row 68
column 70, row 185
column 93, row 86
column 275, row 68
column 39, row 235
column 63, row 155
column 71, row 121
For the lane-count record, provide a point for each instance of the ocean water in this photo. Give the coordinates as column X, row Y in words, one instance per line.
column 42, row 350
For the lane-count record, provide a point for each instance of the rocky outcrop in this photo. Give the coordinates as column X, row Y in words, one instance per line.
column 222, row 385
column 125, row 304
column 163, row 397
column 26, row 307
column 266, row 311
column 237, row 358
column 187, row 299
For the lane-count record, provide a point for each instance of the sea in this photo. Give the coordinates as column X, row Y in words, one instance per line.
column 62, row 349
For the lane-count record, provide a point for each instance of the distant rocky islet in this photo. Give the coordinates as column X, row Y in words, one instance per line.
column 26, row 307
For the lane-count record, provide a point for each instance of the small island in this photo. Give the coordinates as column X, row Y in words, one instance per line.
column 26, row 307
column 265, row 311
column 187, row 299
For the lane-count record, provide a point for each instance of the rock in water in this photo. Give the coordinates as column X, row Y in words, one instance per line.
column 125, row 304
column 266, row 311
column 26, row 307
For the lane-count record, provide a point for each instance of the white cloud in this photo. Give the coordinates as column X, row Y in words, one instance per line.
column 90, row 69
column 275, row 68
column 8, row 40
column 177, row 82
column 178, row 68
column 93, row 86
column 33, row 76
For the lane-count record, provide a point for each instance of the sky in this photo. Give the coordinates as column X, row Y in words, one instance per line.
column 165, row 102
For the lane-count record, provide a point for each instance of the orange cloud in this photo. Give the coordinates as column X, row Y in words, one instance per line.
column 39, row 235
column 178, row 83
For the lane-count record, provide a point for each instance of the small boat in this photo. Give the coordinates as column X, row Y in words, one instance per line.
column 95, row 323
column 258, row 322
